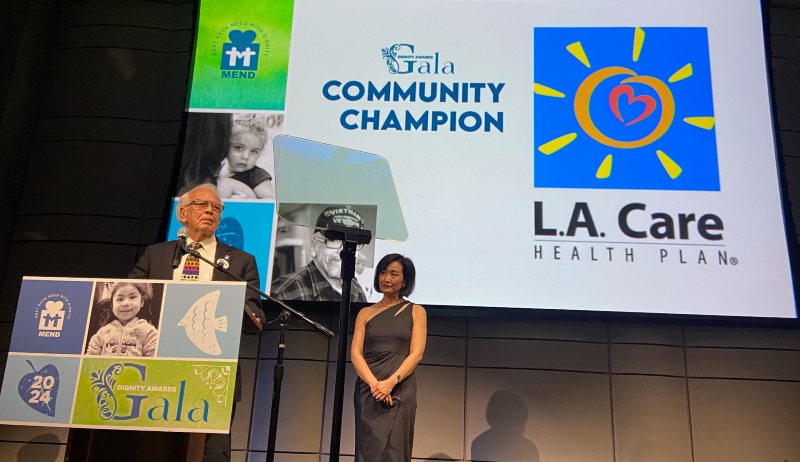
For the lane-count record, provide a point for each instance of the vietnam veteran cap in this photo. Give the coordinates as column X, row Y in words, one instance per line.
column 342, row 215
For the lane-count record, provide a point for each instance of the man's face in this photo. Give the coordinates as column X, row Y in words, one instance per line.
column 245, row 149
column 201, row 222
column 328, row 260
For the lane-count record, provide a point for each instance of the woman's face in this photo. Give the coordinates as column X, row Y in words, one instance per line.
column 126, row 303
column 245, row 149
column 391, row 279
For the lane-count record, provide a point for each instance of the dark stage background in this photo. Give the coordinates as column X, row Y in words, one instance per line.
column 93, row 96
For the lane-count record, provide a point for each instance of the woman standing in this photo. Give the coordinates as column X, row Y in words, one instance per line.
column 388, row 343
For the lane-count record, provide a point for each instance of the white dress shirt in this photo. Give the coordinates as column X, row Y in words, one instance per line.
column 209, row 251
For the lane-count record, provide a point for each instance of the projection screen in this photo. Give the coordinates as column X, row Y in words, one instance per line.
column 594, row 155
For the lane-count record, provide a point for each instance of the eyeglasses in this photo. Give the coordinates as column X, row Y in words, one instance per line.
column 335, row 245
column 200, row 204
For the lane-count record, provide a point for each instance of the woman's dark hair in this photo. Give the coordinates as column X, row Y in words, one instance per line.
column 409, row 273
column 208, row 138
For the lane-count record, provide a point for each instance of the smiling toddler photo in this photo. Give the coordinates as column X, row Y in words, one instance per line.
column 124, row 320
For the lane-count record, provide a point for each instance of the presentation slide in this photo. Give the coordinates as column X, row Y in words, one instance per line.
column 585, row 155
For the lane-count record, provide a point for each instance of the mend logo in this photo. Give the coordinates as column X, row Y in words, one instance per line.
column 400, row 58
column 240, row 53
column 624, row 108
column 52, row 317
column 243, row 43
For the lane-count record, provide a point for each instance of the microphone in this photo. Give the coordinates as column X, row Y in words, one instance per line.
column 180, row 249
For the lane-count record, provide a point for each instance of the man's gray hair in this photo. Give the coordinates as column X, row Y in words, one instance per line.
column 184, row 200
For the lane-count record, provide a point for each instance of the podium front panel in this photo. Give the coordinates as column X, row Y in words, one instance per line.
column 127, row 354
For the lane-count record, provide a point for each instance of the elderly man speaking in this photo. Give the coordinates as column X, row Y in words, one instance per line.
column 199, row 210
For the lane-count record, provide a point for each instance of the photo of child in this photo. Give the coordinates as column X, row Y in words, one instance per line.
column 124, row 319
column 233, row 151
column 240, row 177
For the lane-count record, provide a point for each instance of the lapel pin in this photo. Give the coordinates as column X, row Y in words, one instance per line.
column 223, row 263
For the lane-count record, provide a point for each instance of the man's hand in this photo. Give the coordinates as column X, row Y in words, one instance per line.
column 253, row 318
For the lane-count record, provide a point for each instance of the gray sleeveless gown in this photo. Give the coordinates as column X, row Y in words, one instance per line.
column 386, row 435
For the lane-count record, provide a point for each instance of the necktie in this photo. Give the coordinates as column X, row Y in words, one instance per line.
column 191, row 268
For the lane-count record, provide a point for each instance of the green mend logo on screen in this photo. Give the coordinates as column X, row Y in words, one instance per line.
column 624, row 108
column 242, row 57
column 238, row 58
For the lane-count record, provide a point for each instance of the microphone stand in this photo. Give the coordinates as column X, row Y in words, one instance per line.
column 277, row 377
column 351, row 238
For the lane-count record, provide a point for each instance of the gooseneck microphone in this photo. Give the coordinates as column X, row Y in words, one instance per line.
column 180, row 249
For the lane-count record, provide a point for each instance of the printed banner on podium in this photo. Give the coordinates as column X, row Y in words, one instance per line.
column 132, row 354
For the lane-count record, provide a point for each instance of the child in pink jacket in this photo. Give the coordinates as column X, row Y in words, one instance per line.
column 127, row 335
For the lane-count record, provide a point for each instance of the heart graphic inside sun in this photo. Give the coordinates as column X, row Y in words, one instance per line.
column 618, row 91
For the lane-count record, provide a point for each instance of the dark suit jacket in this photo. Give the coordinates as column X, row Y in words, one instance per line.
column 156, row 263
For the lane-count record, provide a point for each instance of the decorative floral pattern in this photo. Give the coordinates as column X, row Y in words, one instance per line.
column 390, row 55
column 217, row 378
column 103, row 385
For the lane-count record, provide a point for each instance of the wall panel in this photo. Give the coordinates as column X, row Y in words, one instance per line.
column 301, row 406
column 440, row 412
column 495, row 328
column 745, row 364
column 538, row 354
column 651, row 419
column 538, row 415
column 647, row 359
column 659, row 335
column 744, row 420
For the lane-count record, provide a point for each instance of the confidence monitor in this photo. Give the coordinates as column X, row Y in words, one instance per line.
column 584, row 155
column 331, row 177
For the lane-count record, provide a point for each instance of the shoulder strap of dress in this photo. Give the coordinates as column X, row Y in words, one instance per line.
column 404, row 307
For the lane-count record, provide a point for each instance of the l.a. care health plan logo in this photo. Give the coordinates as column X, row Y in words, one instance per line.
column 241, row 48
column 624, row 108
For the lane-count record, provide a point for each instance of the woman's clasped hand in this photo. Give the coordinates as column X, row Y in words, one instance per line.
column 382, row 390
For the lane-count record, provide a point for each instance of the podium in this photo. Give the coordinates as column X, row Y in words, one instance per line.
column 125, row 354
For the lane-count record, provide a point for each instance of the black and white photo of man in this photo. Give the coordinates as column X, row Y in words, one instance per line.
column 321, row 278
